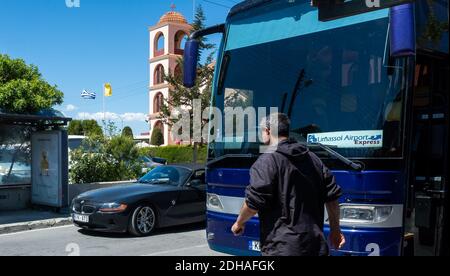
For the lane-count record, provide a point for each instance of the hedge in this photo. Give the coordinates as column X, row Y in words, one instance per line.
column 176, row 154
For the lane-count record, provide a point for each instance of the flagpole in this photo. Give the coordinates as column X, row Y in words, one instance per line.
column 104, row 121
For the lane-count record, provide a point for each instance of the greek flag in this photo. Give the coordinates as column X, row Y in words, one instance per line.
column 88, row 95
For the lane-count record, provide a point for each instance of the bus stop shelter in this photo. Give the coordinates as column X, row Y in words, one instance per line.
column 26, row 158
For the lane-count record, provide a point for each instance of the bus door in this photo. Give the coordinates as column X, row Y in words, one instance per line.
column 427, row 206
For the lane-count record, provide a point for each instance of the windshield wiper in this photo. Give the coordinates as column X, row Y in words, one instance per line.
column 295, row 93
column 343, row 159
column 223, row 72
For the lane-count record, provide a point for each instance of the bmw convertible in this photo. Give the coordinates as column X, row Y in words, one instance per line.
column 166, row 196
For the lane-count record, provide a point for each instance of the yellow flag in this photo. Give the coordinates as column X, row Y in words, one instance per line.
column 108, row 90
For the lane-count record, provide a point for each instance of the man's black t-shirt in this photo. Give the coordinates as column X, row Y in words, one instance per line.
column 289, row 188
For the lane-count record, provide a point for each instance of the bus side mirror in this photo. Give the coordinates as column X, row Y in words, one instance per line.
column 190, row 62
column 402, row 31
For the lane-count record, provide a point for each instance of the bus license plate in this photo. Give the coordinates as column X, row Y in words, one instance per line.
column 255, row 246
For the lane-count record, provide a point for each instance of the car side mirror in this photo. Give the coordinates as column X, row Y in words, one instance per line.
column 194, row 183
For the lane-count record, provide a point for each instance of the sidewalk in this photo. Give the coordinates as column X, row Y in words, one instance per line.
column 30, row 219
column 17, row 221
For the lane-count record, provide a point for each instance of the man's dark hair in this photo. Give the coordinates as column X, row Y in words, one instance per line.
column 281, row 120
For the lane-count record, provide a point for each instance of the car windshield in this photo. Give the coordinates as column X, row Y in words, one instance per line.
column 174, row 176
column 349, row 98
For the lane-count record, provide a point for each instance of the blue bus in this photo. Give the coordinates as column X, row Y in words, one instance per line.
column 368, row 93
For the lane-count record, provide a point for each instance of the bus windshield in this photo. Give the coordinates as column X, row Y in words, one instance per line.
column 350, row 100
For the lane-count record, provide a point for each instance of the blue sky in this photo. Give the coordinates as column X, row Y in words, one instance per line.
column 101, row 41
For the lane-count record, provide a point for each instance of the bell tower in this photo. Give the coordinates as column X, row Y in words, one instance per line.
column 167, row 40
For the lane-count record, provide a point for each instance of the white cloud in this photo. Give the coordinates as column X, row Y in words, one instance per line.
column 98, row 116
column 71, row 107
column 110, row 116
column 133, row 117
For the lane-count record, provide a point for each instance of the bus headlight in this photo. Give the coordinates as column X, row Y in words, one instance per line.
column 213, row 202
column 365, row 214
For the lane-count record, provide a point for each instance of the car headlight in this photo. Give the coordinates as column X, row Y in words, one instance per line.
column 112, row 207
column 213, row 202
column 365, row 214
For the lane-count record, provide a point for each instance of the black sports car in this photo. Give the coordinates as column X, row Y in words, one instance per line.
column 166, row 196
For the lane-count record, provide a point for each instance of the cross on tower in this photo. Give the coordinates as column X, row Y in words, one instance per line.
column 173, row 7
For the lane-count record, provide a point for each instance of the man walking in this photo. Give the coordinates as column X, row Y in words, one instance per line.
column 288, row 190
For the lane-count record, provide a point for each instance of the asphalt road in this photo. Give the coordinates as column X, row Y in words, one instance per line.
column 69, row 240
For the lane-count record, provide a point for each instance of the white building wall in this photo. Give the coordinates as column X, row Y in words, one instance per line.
column 153, row 33
column 164, row 62
column 169, row 61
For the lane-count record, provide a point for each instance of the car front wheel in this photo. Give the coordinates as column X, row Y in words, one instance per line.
column 143, row 221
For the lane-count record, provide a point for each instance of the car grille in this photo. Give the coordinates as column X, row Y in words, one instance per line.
column 88, row 209
column 85, row 209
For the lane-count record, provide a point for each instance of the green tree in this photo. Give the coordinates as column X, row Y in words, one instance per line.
column 199, row 24
column 75, row 128
column 435, row 28
column 92, row 168
column 157, row 138
column 92, row 128
column 126, row 155
column 22, row 88
column 85, row 127
column 182, row 96
column 128, row 132
column 110, row 128
column 102, row 159
column 122, row 148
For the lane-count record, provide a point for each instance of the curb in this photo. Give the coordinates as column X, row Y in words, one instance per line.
column 34, row 225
